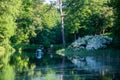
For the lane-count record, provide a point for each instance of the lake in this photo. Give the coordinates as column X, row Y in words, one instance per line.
column 27, row 67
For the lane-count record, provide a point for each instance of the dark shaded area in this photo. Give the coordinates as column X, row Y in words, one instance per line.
column 47, row 60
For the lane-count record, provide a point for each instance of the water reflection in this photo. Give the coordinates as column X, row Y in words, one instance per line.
column 90, row 64
column 24, row 66
column 7, row 73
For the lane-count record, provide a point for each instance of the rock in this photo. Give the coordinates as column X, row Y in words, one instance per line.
column 97, row 42
column 91, row 42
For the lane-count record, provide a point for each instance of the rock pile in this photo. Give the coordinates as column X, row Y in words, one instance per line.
column 91, row 42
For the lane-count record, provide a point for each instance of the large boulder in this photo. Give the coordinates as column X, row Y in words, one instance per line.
column 91, row 42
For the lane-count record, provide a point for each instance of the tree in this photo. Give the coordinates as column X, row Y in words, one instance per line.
column 9, row 10
column 8, row 15
column 25, row 29
column 36, row 23
column 91, row 16
column 116, row 28
column 46, row 20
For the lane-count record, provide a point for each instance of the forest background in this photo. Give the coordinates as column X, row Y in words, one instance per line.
column 30, row 22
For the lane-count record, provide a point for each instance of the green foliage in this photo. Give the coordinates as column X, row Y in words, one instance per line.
column 24, row 30
column 46, row 23
column 28, row 21
column 49, row 15
column 36, row 24
column 116, row 28
column 25, row 47
column 8, row 14
column 2, row 51
column 91, row 16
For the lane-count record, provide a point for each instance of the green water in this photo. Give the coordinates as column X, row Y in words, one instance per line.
column 24, row 66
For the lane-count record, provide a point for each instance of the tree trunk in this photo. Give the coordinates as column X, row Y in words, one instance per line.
column 103, row 31
column 75, row 36
column 62, row 22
